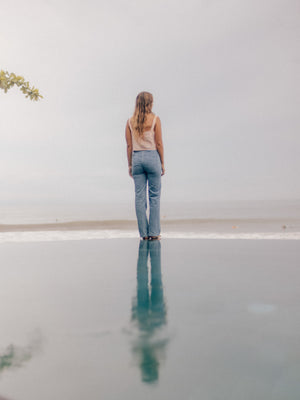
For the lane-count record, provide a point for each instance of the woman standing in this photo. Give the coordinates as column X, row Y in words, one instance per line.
column 145, row 155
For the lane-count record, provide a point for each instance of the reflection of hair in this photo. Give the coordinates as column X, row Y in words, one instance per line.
column 149, row 365
column 143, row 106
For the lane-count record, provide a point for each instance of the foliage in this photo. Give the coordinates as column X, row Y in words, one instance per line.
column 9, row 80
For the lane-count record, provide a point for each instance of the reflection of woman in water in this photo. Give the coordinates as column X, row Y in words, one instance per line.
column 149, row 311
column 145, row 155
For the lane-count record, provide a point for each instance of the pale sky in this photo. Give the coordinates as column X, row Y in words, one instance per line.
column 225, row 80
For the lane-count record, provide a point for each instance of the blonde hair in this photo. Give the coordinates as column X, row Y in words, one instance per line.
column 143, row 106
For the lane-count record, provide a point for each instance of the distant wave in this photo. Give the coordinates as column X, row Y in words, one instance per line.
column 60, row 235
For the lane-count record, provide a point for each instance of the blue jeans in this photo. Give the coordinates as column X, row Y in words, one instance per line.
column 146, row 167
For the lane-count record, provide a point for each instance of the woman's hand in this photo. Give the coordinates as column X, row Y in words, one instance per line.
column 162, row 169
column 130, row 171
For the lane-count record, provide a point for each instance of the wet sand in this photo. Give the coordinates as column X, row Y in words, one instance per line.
column 180, row 225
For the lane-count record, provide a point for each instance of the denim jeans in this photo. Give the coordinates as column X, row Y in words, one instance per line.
column 146, row 168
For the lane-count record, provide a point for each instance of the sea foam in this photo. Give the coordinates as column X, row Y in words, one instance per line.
column 62, row 235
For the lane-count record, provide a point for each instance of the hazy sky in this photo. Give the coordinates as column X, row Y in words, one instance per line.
column 225, row 80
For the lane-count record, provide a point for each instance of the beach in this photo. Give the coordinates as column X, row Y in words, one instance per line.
column 196, row 228
column 187, row 133
column 179, row 319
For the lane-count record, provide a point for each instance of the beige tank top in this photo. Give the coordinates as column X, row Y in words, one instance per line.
column 146, row 141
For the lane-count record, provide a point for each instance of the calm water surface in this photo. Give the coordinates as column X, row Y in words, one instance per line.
column 123, row 319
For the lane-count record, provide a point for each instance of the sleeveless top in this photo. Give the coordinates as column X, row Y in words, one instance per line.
column 146, row 141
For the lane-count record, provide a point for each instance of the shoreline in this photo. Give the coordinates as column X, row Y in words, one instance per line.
column 245, row 225
column 127, row 224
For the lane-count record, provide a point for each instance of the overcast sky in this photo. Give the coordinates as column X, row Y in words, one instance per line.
column 225, row 80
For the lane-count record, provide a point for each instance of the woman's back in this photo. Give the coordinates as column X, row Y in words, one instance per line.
column 149, row 119
column 145, row 141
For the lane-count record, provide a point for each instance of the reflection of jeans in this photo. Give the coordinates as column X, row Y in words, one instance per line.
column 149, row 312
column 150, row 308
column 146, row 166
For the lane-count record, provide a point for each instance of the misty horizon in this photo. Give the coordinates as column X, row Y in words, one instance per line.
column 225, row 86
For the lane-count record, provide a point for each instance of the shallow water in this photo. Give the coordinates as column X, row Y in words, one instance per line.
column 176, row 319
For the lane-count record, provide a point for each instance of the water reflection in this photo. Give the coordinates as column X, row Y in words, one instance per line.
column 3, row 398
column 16, row 356
column 149, row 312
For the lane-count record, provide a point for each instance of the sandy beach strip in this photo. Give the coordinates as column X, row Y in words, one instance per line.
column 180, row 225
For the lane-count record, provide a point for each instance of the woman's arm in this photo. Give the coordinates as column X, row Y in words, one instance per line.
column 129, row 148
column 159, row 143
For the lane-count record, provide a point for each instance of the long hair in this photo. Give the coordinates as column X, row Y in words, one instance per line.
column 143, row 106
